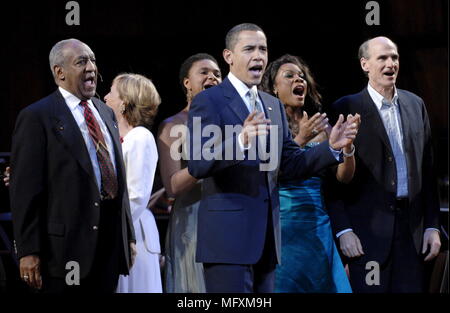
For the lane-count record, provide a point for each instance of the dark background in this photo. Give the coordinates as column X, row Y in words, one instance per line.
column 153, row 38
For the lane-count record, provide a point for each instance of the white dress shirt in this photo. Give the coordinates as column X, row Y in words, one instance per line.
column 243, row 91
column 390, row 115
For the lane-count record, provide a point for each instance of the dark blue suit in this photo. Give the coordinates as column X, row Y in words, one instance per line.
column 239, row 211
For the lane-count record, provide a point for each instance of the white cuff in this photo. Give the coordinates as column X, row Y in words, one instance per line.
column 336, row 153
column 343, row 232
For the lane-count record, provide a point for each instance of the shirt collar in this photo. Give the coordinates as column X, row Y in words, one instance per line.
column 71, row 100
column 378, row 98
column 241, row 88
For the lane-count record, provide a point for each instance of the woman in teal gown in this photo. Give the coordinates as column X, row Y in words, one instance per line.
column 310, row 262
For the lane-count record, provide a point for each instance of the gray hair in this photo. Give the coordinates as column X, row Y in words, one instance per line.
column 233, row 34
column 57, row 55
column 363, row 51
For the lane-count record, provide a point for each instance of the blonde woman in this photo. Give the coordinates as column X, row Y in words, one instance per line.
column 134, row 100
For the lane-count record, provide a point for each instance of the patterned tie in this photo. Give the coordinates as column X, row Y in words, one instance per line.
column 253, row 95
column 109, row 180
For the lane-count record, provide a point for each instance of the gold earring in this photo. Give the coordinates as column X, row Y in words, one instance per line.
column 189, row 95
column 122, row 108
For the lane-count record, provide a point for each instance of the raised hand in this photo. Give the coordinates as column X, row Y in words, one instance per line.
column 352, row 119
column 254, row 125
column 310, row 127
column 343, row 133
column 6, row 176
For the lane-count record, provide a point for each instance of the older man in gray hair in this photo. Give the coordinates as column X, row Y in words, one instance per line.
column 69, row 201
column 387, row 218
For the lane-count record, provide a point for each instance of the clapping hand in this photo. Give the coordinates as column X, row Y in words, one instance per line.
column 6, row 176
column 343, row 133
column 310, row 127
column 254, row 125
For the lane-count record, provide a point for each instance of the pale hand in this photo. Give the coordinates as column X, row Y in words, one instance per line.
column 6, row 178
column 133, row 251
column 350, row 245
column 431, row 239
column 343, row 133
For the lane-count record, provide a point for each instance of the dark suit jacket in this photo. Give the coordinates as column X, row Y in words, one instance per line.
column 236, row 195
column 54, row 196
column 367, row 204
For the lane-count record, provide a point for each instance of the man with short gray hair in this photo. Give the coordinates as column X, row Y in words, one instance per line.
column 387, row 218
column 69, row 201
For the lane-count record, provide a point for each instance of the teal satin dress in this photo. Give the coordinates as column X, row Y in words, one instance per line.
column 310, row 262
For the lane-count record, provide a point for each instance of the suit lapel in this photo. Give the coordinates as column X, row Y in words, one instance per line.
column 406, row 115
column 268, row 106
column 372, row 117
column 66, row 126
column 236, row 103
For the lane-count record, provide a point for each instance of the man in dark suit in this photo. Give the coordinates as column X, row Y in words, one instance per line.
column 387, row 217
column 238, row 236
column 69, row 201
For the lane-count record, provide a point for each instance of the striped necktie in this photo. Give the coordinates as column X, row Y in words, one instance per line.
column 109, row 180
column 253, row 95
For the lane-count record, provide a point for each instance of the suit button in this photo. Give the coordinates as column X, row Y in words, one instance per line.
column 94, row 227
column 392, row 207
column 389, row 158
column 393, row 182
column 96, row 204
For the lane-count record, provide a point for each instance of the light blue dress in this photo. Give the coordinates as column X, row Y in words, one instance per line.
column 310, row 262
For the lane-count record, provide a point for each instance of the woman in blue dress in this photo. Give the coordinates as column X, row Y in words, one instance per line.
column 310, row 261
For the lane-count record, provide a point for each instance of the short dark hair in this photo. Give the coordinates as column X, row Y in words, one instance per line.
column 187, row 64
column 268, row 81
column 233, row 34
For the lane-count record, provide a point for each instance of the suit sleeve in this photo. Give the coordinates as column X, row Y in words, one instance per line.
column 335, row 191
column 28, row 181
column 209, row 143
column 429, row 178
column 298, row 163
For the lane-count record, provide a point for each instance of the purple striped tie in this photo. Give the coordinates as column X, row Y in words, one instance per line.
column 109, row 179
